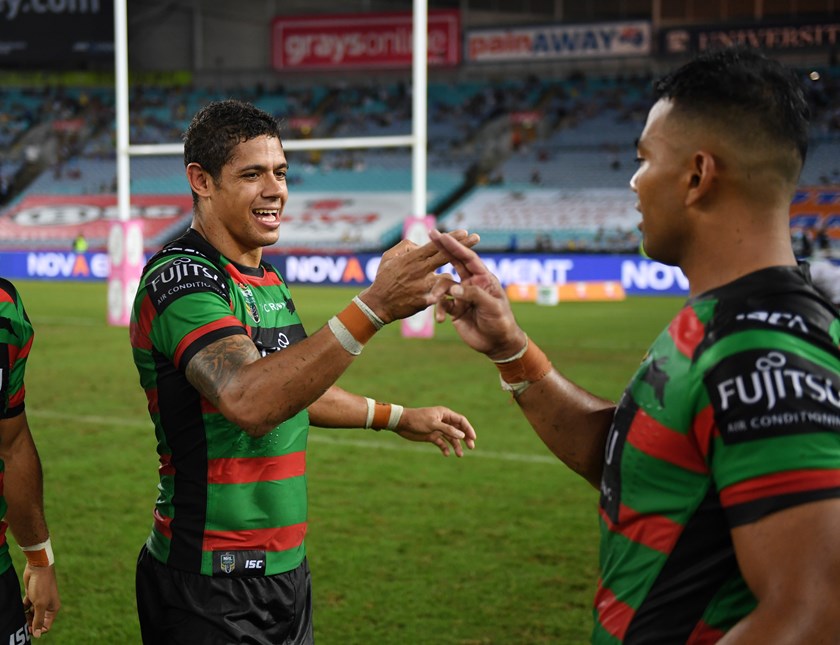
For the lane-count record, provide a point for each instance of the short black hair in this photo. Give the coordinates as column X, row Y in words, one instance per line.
column 741, row 87
column 218, row 127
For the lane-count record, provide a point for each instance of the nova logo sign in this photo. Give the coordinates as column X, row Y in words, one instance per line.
column 318, row 269
column 644, row 275
column 66, row 265
column 514, row 270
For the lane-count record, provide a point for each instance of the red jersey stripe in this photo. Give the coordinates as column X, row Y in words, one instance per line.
column 704, row 430
column 152, row 398
column 245, row 470
column 23, row 352
column 17, row 398
column 162, row 524
column 704, row 634
column 686, row 331
column 19, row 353
column 140, row 330
column 660, row 442
column 656, row 532
column 791, row 481
column 5, row 296
column 189, row 339
column 613, row 615
column 166, row 467
column 276, row 539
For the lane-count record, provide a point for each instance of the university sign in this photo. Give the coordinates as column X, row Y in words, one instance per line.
column 780, row 37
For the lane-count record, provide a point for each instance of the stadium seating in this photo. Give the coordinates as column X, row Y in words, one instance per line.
column 520, row 135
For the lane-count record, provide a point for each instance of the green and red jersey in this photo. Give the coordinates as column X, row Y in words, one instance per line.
column 16, row 336
column 229, row 504
column 733, row 414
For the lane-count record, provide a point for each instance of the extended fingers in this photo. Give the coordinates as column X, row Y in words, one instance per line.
column 455, row 428
column 433, row 256
column 466, row 261
column 461, row 427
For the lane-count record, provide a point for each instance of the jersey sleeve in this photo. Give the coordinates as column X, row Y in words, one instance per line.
column 776, row 404
column 186, row 307
column 16, row 335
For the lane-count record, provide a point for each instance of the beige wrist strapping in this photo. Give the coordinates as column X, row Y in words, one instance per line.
column 382, row 415
column 518, row 372
column 355, row 325
column 39, row 555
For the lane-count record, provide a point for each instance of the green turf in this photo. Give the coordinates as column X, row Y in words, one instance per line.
column 405, row 546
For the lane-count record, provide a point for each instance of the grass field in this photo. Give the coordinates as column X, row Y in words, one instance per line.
column 405, row 546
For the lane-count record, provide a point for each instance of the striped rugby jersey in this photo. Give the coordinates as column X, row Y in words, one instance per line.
column 16, row 337
column 733, row 414
column 228, row 504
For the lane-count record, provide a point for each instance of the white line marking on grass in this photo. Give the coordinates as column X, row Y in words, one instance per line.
column 315, row 437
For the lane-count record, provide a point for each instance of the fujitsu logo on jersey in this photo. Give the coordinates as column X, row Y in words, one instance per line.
column 180, row 270
column 773, row 381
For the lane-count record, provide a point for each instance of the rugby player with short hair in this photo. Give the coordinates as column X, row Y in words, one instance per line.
column 719, row 468
column 233, row 383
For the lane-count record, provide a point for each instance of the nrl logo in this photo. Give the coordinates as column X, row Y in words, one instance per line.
column 227, row 562
column 250, row 302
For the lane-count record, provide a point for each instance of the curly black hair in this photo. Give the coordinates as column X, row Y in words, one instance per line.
column 218, row 128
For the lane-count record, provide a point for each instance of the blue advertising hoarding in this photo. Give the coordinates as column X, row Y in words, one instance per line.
column 638, row 276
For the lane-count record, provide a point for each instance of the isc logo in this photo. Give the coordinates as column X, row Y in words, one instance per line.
column 254, row 564
column 20, row 637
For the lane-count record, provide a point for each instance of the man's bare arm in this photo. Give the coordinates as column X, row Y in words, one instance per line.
column 791, row 562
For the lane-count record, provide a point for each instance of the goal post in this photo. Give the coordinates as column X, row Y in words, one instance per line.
column 124, row 277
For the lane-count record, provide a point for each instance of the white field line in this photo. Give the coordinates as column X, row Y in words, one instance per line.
column 317, row 436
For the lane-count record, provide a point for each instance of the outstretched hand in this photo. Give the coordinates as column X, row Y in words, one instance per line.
column 405, row 276
column 438, row 425
column 479, row 307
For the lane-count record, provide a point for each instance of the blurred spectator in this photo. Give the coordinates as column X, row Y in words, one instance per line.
column 80, row 244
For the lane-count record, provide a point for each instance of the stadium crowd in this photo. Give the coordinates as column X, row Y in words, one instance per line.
column 520, row 134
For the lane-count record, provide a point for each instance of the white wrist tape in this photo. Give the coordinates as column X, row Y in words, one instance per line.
column 371, row 404
column 516, row 356
column 383, row 415
column 396, row 415
column 347, row 340
column 376, row 320
column 515, row 388
column 39, row 555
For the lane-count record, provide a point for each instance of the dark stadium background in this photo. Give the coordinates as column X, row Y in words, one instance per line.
column 532, row 148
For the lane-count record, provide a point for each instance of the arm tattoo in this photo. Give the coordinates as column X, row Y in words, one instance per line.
column 211, row 369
